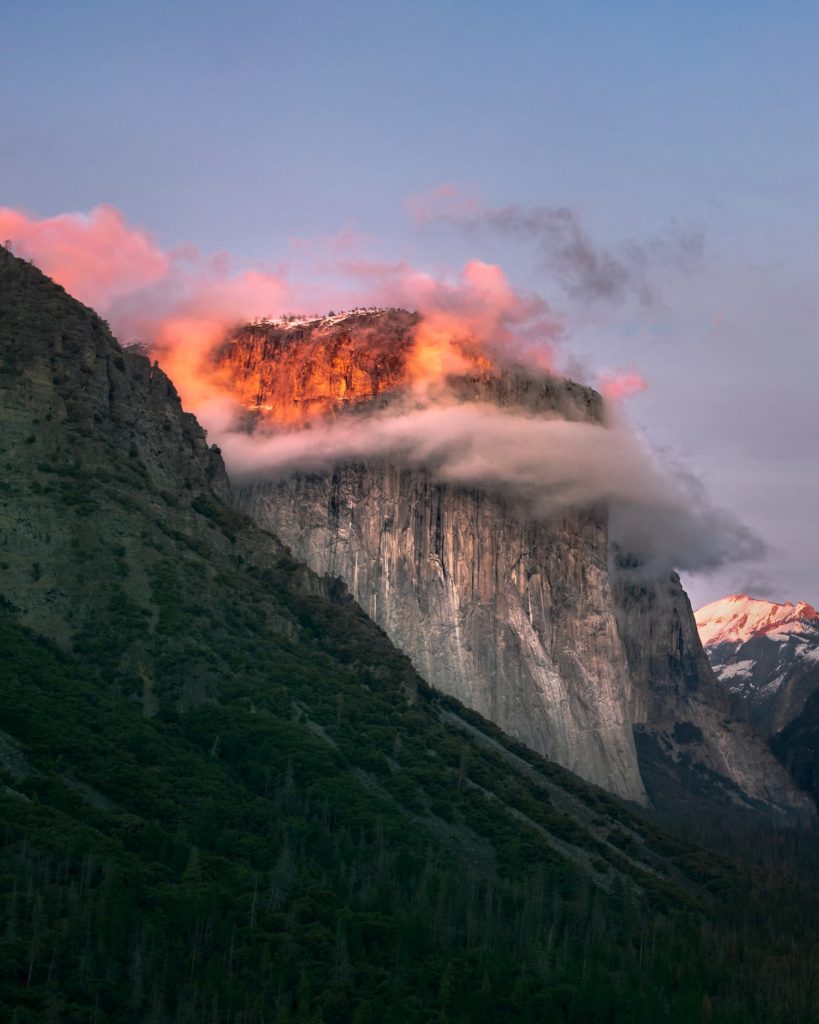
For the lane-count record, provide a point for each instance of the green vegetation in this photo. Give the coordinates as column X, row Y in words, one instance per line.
column 316, row 845
column 226, row 798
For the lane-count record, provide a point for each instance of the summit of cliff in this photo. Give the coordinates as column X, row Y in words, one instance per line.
column 292, row 370
column 289, row 370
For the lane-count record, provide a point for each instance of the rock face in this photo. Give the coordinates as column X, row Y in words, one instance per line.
column 692, row 740
column 292, row 370
column 513, row 618
column 69, row 393
column 523, row 621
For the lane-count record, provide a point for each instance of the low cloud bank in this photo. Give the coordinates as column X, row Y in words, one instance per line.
column 547, row 465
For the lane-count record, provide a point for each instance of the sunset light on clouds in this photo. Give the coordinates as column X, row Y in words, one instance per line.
column 408, row 489
column 614, row 248
column 180, row 303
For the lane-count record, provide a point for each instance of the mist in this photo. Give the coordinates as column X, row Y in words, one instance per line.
column 546, row 466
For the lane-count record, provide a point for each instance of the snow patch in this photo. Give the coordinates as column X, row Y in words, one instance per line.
column 770, row 688
column 292, row 322
column 743, row 669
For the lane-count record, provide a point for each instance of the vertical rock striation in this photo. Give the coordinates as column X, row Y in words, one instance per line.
column 525, row 621
column 513, row 618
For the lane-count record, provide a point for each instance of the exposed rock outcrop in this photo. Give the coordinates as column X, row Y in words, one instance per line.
column 521, row 620
column 292, row 370
column 86, row 429
column 514, row 618
column 681, row 712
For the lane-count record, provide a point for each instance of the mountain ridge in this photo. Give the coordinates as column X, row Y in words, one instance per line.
column 227, row 797
column 766, row 656
column 738, row 617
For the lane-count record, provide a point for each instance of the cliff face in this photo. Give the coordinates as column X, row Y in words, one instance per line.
column 87, row 432
column 521, row 620
column 690, row 738
column 289, row 372
column 513, row 618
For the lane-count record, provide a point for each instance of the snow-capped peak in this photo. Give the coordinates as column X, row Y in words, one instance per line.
column 737, row 618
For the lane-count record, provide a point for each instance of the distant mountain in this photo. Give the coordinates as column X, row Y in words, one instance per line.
column 767, row 656
column 764, row 653
column 532, row 622
column 738, row 618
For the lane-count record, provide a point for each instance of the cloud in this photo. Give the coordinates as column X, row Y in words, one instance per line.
column 428, row 206
column 587, row 271
column 546, row 465
column 177, row 303
column 181, row 303
column 96, row 256
column 615, row 387
column 472, row 313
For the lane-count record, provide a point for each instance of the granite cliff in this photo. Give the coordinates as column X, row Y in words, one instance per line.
column 528, row 620
column 226, row 796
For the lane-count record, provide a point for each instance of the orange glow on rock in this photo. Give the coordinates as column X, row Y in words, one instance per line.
column 184, row 306
column 442, row 348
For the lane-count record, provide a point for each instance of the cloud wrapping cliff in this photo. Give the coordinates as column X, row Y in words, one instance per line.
column 182, row 302
column 545, row 464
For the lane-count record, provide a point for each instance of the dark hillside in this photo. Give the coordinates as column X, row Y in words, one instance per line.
column 227, row 798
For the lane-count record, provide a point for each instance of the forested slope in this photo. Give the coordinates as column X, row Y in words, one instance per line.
column 227, row 798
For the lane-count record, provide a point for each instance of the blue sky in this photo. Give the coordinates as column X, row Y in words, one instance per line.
column 239, row 126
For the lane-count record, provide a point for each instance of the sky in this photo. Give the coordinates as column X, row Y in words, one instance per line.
column 678, row 142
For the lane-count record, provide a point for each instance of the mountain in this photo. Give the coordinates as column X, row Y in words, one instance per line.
column 534, row 623
column 766, row 655
column 227, row 798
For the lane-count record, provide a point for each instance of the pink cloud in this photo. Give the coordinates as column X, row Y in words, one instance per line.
column 96, row 256
column 616, row 387
column 178, row 302
column 444, row 200
column 181, row 302
column 476, row 303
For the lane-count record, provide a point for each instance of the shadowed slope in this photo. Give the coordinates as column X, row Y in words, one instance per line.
column 227, row 797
